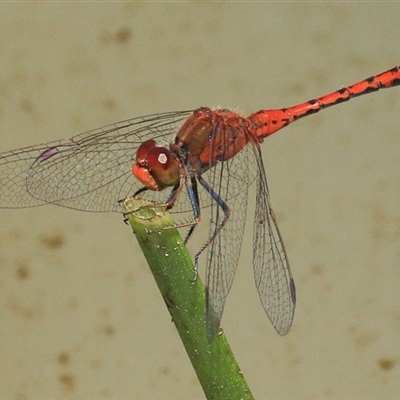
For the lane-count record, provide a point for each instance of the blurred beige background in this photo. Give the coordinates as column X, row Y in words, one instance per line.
column 80, row 316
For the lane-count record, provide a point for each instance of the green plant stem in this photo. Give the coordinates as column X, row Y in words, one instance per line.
column 173, row 270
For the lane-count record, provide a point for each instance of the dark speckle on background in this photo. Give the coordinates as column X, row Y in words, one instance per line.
column 27, row 105
column 52, row 241
column 63, row 358
column 122, row 36
column 67, row 381
column 108, row 330
column 386, row 364
column 22, row 271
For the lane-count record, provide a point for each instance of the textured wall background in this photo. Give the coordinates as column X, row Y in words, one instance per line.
column 80, row 314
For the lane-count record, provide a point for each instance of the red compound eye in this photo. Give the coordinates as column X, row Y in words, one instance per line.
column 155, row 166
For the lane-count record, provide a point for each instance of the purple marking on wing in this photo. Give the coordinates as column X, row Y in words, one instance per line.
column 47, row 154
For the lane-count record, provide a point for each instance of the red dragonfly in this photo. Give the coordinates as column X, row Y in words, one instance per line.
column 207, row 158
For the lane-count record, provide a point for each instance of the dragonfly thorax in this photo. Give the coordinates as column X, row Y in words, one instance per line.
column 211, row 136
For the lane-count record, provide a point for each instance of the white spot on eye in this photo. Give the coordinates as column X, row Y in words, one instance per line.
column 162, row 158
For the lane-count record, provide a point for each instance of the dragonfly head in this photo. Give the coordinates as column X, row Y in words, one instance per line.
column 155, row 166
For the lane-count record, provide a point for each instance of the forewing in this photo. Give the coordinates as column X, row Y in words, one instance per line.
column 273, row 278
column 90, row 172
column 230, row 180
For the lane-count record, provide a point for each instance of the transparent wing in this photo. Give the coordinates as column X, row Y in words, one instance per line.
column 273, row 278
column 90, row 171
column 230, row 180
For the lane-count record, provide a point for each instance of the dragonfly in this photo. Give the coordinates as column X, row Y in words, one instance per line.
column 189, row 161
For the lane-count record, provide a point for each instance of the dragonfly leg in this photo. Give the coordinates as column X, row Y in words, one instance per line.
column 227, row 213
column 191, row 186
column 168, row 204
